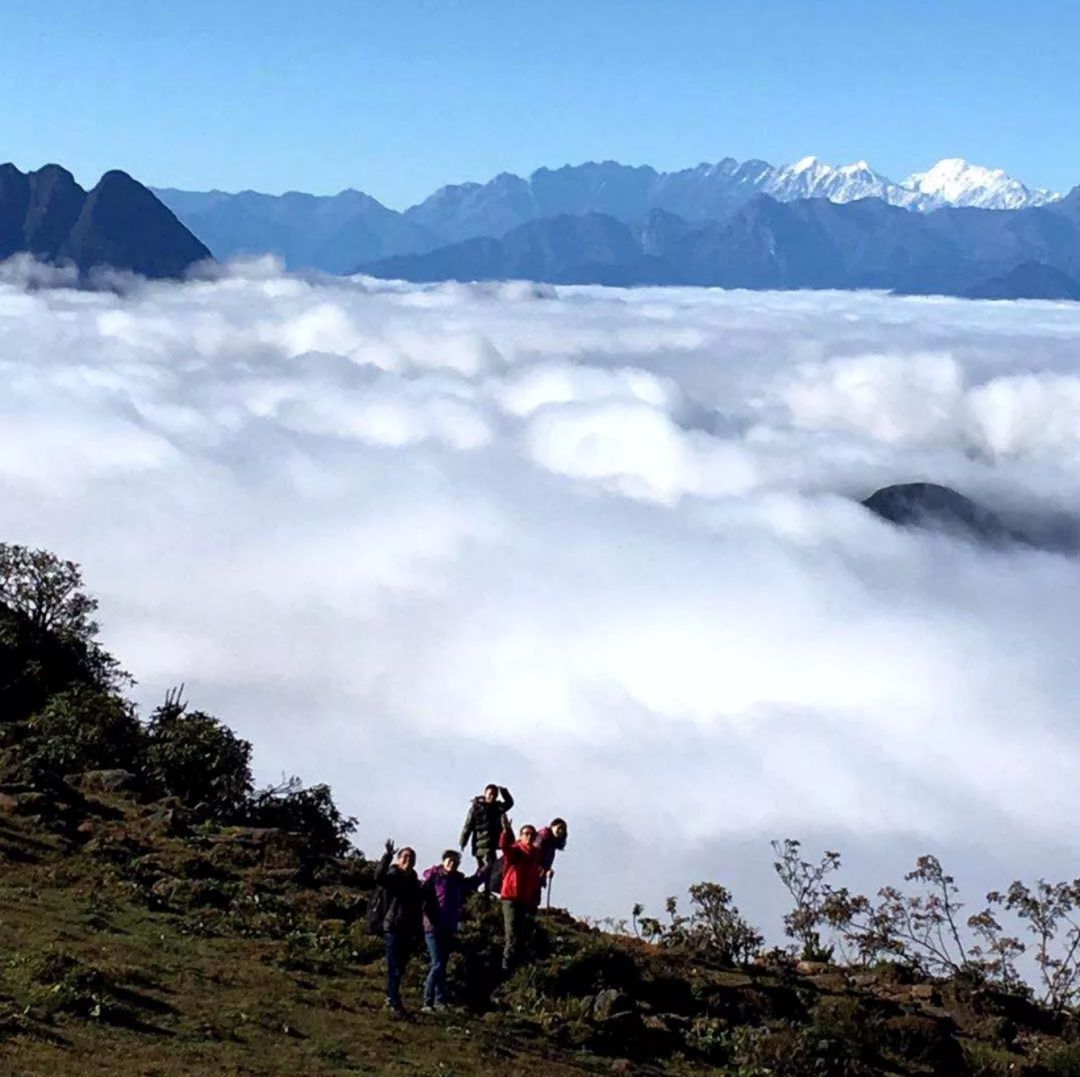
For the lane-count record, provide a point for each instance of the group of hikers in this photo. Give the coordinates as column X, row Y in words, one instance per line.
column 404, row 906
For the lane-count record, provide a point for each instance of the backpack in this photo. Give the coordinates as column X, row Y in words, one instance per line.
column 376, row 911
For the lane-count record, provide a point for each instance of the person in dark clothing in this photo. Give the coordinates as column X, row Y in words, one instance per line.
column 520, row 891
column 550, row 840
column 483, row 823
column 403, row 920
column 444, row 890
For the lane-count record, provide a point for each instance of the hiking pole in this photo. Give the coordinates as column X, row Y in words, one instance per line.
column 550, row 877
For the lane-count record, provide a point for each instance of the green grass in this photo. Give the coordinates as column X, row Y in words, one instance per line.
column 92, row 982
column 127, row 951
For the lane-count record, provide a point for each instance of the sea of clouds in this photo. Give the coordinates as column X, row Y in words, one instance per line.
column 601, row 546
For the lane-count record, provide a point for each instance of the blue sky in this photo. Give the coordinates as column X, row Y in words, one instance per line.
column 399, row 98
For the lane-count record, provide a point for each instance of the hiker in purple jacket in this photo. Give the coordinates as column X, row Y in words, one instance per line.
column 444, row 892
column 550, row 840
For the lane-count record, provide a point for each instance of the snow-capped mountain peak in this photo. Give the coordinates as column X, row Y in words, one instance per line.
column 813, row 178
column 956, row 182
column 951, row 182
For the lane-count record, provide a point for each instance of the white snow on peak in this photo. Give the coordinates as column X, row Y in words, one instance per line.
column 813, row 178
column 951, row 182
column 955, row 182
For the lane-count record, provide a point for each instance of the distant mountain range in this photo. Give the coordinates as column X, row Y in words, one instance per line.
column 332, row 233
column 340, row 232
column 810, row 243
column 956, row 229
column 707, row 192
column 118, row 224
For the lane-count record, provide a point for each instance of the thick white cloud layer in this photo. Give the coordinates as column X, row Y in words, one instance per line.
column 598, row 545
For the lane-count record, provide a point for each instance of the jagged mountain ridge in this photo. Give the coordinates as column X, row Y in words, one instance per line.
column 811, row 243
column 331, row 233
column 336, row 233
column 706, row 192
column 119, row 223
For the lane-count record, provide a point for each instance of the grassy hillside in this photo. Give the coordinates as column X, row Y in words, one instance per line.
column 160, row 916
column 139, row 941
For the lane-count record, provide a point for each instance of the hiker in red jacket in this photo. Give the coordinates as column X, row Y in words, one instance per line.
column 522, row 876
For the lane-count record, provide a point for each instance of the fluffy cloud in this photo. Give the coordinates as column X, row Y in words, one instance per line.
column 602, row 546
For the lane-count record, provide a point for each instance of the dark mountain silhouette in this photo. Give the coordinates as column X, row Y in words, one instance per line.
column 37, row 209
column 1032, row 280
column 925, row 504
column 593, row 248
column 810, row 243
column 332, row 233
column 123, row 225
column 118, row 224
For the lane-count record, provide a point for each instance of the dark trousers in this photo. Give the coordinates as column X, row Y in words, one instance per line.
column 491, row 863
column 518, row 921
column 397, row 957
column 438, row 945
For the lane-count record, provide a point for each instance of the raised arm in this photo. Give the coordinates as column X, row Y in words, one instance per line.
column 508, row 846
column 507, row 799
column 383, row 870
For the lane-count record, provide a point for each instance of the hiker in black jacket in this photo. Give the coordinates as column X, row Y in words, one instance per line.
column 483, row 824
column 402, row 922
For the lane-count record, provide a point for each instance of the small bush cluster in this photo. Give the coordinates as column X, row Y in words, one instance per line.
column 310, row 811
column 84, row 728
column 193, row 756
column 59, row 982
column 715, row 928
column 927, row 931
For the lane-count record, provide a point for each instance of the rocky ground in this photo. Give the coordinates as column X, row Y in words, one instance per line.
column 138, row 939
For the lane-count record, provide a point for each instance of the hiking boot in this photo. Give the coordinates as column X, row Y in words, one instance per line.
column 428, row 1008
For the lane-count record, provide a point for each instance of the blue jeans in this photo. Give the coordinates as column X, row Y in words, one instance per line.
column 438, row 944
column 397, row 956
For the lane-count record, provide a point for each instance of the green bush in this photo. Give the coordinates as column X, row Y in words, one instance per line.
column 1064, row 1061
column 986, row 1060
column 193, row 756
column 589, row 970
column 309, row 812
column 796, row 1052
column 47, row 632
column 83, row 729
column 60, row 982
